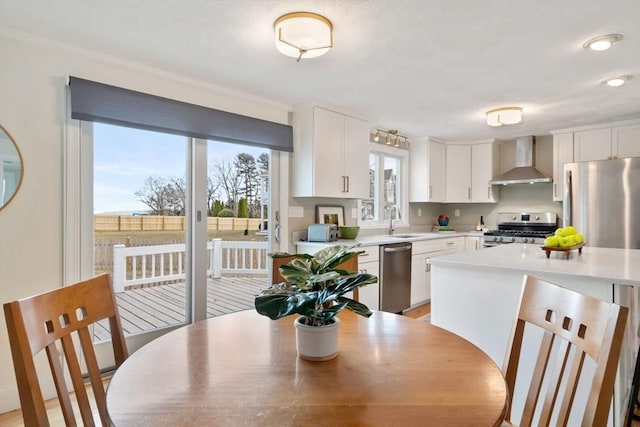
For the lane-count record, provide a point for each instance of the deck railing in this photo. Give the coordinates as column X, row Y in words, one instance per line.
column 143, row 265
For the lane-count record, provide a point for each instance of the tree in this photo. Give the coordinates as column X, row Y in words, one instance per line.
column 217, row 207
column 246, row 168
column 227, row 179
column 154, row 195
column 243, row 209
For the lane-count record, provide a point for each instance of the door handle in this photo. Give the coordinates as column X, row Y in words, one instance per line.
column 398, row 249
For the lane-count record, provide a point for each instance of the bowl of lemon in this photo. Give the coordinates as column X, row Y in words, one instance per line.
column 565, row 239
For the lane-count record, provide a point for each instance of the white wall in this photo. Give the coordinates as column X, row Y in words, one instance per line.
column 32, row 109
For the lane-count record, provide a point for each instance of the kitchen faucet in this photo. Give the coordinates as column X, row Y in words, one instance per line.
column 391, row 209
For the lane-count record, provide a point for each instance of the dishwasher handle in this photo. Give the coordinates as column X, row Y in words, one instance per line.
column 398, row 248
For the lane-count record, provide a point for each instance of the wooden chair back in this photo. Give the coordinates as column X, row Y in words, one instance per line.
column 61, row 319
column 585, row 326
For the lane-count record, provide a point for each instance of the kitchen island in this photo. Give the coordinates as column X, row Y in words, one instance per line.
column 476, row 295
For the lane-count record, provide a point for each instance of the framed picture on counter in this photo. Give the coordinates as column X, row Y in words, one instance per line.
column 330, row 215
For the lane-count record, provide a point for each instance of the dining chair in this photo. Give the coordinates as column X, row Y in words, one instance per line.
column 577, row 326
column 55, row 320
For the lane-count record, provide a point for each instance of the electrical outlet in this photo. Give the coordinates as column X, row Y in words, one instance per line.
column 456, row 212
column 419, row 211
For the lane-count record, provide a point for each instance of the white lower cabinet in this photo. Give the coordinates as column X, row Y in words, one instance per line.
column 368, row 262
column 473, row 243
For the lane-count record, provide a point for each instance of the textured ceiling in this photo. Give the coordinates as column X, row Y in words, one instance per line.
column 427, row 68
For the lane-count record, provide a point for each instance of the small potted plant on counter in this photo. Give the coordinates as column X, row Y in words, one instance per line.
column 315, row 287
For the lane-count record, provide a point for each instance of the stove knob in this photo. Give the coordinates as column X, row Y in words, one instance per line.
column 537, row 218
column 513, row 239
column 525, row 240
column 499, row 239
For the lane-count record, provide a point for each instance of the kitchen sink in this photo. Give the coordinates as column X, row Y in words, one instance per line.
column 405, row 236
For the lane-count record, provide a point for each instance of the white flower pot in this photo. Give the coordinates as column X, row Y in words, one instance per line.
column 317, row 343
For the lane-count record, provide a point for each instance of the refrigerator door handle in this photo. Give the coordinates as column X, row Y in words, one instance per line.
column 568, row 199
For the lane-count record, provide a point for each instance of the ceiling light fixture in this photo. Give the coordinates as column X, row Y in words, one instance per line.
column 504, row 116
column 617, row 81
column 303, row 33
column 601, row 43
column 392, row 137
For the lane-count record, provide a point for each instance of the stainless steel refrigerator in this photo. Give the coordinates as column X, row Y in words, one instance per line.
column 602, row 200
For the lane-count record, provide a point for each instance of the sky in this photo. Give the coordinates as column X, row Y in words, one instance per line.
column 124, row 158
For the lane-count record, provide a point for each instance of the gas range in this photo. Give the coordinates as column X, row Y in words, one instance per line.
column 527, row 227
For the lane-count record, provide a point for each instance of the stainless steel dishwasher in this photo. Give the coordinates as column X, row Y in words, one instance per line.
column 395, row 277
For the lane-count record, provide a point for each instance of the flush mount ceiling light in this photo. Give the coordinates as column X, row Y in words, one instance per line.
column 617, row 81
column 504, row 116
column 305, row 34
column 601, row 43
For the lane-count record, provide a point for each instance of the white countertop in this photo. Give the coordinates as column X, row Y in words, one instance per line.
column 621, row 266
column 384, row 239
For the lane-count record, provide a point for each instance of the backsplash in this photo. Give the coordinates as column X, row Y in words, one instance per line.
column 513, row 198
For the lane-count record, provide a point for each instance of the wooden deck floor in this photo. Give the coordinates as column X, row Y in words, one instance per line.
column 160, row 306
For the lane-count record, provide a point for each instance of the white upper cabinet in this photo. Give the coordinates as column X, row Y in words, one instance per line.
column 625, row 141
column 330, row 154
column 562, row 153
column 470, row 167
column 484, row 166
column 593, row 144
column 613, row 142
column 427, row 169
column 458, row 182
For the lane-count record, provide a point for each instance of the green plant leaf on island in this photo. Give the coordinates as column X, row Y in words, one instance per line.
column 314, row 287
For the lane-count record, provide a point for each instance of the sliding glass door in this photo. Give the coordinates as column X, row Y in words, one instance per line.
column 181, row 224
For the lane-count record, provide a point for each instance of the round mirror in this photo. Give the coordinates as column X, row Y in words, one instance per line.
column 10, row 168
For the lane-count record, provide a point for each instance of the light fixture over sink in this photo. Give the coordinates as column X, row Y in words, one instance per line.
column 504, row 116
column 305, row 34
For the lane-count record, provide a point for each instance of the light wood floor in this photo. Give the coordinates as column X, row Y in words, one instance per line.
column 14, row 418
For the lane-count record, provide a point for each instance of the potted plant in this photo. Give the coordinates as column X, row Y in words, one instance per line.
column 315, row 288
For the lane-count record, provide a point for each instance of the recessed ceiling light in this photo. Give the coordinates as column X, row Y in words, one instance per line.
column 617, row 81
column 602, row 42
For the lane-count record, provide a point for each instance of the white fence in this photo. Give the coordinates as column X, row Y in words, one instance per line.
column 142, row 265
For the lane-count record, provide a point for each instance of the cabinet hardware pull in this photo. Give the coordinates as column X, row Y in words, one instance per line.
column 555, row 189
column 430, row 191
column 468, row 193
column 348, row 184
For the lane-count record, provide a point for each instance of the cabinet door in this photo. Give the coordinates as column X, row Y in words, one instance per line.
column 328, row 131
column 458, row 173
column 592, row 145
column 355, row 158
column 483, row 165
column 626, row 141
column 562, row 153
column 369, row 295
column 427, row 172
column 420, row 291
column 473, row 243
column 436, row 158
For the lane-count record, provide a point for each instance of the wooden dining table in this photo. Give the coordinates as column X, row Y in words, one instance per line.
column 242, row 369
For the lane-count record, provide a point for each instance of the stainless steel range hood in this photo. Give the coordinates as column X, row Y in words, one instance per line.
column 524, row 172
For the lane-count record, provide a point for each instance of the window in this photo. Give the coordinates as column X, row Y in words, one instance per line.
column 387, row 188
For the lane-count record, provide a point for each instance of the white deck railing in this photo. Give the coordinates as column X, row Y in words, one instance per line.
column 142, row 265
